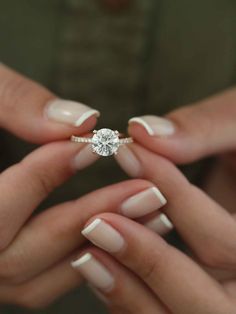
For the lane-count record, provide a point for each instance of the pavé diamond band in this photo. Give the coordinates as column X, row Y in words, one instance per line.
column 105, row 142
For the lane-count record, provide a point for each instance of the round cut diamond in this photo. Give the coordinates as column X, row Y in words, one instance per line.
column 105, row 142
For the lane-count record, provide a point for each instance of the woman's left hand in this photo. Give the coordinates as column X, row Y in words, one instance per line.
column 141, row 273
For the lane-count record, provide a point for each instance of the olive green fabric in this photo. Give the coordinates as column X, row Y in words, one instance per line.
column 151, row 57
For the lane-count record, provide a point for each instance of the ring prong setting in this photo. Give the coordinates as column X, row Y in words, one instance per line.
column 104, row 142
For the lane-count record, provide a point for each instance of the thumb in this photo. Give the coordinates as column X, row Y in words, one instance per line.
column 33, row 113
column 192, row 132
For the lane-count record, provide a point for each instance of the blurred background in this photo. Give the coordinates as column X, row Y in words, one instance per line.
column 124, row 58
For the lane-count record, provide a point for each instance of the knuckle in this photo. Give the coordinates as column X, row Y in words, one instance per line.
column 29, row 300
column 152, row 266
column 12, row 88
column 17, row 90
column 44, row 181
column 121, row 300
column 38, row 177
column 216, row 257
column 31, row 304
column 13, row 269
column 189, row 117
column 5, row 237
column 61, row 229
column 11, row 275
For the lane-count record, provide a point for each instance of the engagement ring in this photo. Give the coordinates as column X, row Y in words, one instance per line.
column 105, row 142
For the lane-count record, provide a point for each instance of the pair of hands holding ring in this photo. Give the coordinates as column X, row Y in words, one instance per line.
column 126, row 260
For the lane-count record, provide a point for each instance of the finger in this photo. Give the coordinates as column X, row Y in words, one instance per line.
column 120, row 289
column 157, row 222
column 33, row 113
column 56, row 232
column 24, row 185
column 175, row 279
column 192, row 132
column 230, row 286
column 206, row 227
column 44, row 289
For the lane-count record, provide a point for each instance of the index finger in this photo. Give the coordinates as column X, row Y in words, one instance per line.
column 206, row 227
column 192, row 132
column 179, row 282
column 25, row 185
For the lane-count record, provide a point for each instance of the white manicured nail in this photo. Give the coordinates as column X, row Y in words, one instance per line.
column 160, row 224
column 155, row 126
column 84, row 158
column 128, row 161
column 94, row 272
column 69, row 112
column 143, row 203
column 104, row 236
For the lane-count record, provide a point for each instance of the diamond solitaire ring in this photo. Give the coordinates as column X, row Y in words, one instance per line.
column 105, row 142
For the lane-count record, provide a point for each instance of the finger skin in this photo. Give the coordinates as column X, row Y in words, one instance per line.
column 174, row 278
column 22, row 110
column 220, row 183
column 24, row 185
column 44, row 289
column 56, row 232
column 205, row 128
column 205, row 226
column 128, row 293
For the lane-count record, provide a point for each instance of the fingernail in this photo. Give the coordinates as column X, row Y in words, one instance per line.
column 70, row 112
column 143, row 203
column 155, row 126
column 128, row 161
column 160, row 224
column 104, row 236
column 94, row 272
column 84, row 158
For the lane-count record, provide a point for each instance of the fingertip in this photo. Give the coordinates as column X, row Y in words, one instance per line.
column 85, row 116
column 47, row 131
column 173, row 148
column 155, row 125
column 128, row 161
column 94, row 271
column 136, row 121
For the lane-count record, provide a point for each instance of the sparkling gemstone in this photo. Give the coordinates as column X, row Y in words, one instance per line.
column 105, row 142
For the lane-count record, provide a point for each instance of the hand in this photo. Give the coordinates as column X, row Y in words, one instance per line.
column 35, row 267
column 191, row 133
column 33, row 113
column 141, row 273
column 194, row 132
column 35, row 252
